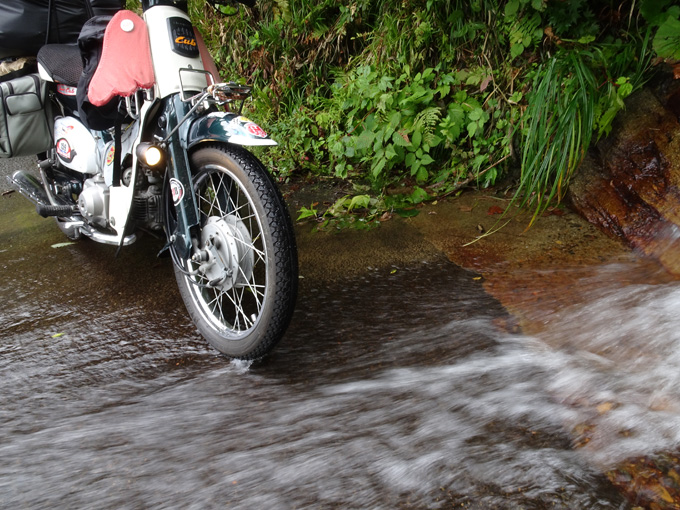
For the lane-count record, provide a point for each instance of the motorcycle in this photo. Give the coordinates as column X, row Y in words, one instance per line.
column 143, row 136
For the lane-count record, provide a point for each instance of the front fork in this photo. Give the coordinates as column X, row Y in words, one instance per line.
column 183, row 126
column 178, row 187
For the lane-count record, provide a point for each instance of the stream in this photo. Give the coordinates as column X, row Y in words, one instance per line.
column 408, row 387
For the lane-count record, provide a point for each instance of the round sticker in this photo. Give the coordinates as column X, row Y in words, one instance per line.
column 256, row 130
column 177, row 191
column 64, row 150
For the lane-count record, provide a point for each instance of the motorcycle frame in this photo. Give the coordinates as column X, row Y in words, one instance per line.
column 179, row 121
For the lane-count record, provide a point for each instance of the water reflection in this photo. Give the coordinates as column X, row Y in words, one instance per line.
column 404, row 389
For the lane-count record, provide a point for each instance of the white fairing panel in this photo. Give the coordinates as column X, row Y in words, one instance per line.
column 173, row 47
column 76, row 147
column 127, row 140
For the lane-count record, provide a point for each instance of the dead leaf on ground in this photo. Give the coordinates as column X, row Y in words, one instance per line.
column 485, row 83
column 605, row 407
column 553, row 211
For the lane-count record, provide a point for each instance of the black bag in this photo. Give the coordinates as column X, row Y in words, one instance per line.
column 90, row 42
column 26, row 25
column 24, row 113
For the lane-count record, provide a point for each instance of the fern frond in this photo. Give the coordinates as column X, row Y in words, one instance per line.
column 427, row 119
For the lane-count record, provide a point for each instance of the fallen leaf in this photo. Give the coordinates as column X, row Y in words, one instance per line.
column 661, row 491
column 465, row 208
column 485, row 83
column 553, row 212
column 605, row 407
column 674, row 475
column 583, row 434
column 57, row 335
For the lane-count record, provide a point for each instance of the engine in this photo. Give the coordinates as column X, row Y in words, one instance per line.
column 146, row 208
column 93, row 201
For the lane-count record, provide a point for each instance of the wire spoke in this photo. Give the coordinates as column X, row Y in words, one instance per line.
column 237, row 303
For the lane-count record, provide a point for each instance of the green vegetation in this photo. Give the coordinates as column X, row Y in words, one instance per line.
column 412, row 100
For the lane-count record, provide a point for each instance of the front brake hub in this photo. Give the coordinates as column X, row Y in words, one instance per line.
column 226, row 256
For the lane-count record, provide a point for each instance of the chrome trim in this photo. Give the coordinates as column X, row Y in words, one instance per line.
column 30, row 187
column 88, row 231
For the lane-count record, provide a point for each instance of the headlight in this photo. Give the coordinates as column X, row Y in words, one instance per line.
column 151, row 155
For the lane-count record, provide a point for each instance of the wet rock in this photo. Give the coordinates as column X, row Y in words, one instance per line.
column 649, row 482
column 629, row 183
column 629, row 187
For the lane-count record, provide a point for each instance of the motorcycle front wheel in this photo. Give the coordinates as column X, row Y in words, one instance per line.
column 240, row 283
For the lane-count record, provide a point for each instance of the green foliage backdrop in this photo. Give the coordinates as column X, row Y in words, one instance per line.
column 429, row 95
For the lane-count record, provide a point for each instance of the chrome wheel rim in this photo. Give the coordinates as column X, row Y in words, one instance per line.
column 228, row 268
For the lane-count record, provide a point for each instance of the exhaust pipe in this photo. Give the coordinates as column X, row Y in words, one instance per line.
column 30, row 187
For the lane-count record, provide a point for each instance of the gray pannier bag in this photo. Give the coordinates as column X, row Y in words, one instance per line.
column 24, row 113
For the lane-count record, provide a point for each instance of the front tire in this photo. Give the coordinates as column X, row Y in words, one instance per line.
column 240, row 284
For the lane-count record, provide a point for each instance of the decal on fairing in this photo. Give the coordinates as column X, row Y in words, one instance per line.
column 255, row 130
column 64, row 150
column 177, row 191
column 252, row 128
column 182, row 37
column 66, row 90
column 62, row 129
column 110, row 154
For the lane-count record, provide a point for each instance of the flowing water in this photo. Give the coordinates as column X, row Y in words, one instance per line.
column 405, row 388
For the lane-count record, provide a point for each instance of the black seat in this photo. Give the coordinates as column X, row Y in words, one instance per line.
column 62, row 62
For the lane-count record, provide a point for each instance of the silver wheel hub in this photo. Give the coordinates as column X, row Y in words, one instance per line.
column 226, row 256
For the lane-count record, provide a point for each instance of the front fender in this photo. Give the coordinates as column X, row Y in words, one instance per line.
column 226, row 127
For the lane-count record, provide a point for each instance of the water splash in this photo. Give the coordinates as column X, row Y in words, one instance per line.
column 370, row 402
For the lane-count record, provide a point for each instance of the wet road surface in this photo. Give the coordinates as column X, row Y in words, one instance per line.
column 404, row 386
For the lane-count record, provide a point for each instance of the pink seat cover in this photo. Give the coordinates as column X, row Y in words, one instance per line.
column 125, row 64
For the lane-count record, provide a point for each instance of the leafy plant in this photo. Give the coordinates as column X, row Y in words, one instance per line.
column 437, row 95
column 575, row 95
column 663, row 15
